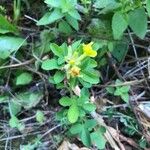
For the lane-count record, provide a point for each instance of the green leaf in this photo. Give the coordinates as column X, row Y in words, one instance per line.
column 74, row 13
column 65, row 49
column 82, row 113
column 117, row 92
column 66, row 6
column 73, row 82
column 102, row 129
column 49, row 64
column 118, row 82
column 10, row 44
column 76, row 128
column 110, row 90
column 40, row 116
column 111, row 7
column 24, row 78
column 4, row 98
column 90, row 76
column 125, row 89
column 83, row 99
column 73, row 22
column 65, row 101
column 84, row 83
column 76, row 44
column 29, row 99
column 125, row 97
column 59, row 77
column 64, row 27
column 120, row 50
column 103, row 3
column 53, row 3
column 51, row 80
column 6, row 27
column 143, row 143
column 21, row 127
column 89, row 107
column 61, row 60
column 14, row 107
column 50, row 17
column 98, row 139
column 85, row 137
column 13, row 122
column 88, row 63
column 73, row 113
column 119, row 25
column 57, row 50
column 90, row 124
column 138, row 22
column 85, row 94
column 148, row 7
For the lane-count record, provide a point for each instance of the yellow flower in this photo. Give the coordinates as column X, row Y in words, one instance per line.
column 88, row 50
column 72, row 62
column 75, row 71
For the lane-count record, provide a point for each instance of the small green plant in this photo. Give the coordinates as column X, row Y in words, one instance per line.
column 125, row 13
column 17, row 10
column 68, row 67
column 73, row 63
column 73, row 66
column 14, row 122
column 118, row 90
column 36, row 143
column 40, row 116
column 64, row 12
column 85, row 131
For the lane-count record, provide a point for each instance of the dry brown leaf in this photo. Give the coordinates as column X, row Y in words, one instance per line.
column 66, row 145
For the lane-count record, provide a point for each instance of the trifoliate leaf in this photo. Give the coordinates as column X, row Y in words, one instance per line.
column 98, row 139
column 90, row 124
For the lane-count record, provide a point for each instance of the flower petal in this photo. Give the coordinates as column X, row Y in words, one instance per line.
column 88, row 50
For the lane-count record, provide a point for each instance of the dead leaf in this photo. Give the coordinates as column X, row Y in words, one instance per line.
column 66, row 145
